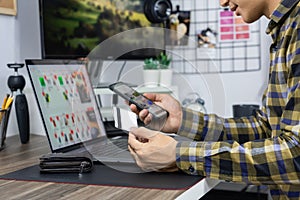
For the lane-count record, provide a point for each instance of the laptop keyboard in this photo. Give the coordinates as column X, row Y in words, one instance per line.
column 112, row 148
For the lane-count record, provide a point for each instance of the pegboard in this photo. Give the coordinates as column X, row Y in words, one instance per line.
column 235, row 55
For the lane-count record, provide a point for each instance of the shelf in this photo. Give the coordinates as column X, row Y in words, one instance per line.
column 154, row 89
column 106, row 112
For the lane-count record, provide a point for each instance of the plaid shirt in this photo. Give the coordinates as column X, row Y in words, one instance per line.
column 263, row 148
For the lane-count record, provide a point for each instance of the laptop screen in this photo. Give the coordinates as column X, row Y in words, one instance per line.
column 66, row 101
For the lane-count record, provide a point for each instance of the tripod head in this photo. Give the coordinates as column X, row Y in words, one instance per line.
column 16, row 81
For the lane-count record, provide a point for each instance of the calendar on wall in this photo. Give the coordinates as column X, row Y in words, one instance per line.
column 218, row 41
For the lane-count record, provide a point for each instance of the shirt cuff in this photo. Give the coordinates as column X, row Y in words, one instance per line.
column 189, row 159
column 192, row 124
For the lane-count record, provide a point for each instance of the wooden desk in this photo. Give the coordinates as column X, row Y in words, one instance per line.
column 17, row 156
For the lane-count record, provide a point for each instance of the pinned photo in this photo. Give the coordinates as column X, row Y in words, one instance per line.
column 207, row 38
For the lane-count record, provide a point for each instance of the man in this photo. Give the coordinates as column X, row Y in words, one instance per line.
column 261, row 149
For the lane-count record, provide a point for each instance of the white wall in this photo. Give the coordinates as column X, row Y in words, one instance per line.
column 8, row 54
column 20, row 39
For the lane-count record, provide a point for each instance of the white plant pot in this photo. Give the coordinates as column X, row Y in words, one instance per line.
column 166, row 76
column 151, row 77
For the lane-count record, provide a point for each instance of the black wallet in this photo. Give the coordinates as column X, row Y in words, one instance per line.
column 66, row 162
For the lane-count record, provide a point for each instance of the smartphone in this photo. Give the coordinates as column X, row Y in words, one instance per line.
column 133, row 97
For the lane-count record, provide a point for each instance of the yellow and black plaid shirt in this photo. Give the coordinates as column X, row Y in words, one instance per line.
column 264, row 148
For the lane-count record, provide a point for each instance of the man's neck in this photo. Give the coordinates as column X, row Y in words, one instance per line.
column 271, row 6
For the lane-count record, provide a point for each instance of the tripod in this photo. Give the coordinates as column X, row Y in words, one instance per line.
column 16, row 83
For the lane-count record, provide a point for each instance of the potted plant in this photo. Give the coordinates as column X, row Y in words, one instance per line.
column 166, row 73
column 157, row 71
column 151, row 72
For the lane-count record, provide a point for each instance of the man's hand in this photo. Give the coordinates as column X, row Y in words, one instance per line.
column 168, row 103
column 152, row 150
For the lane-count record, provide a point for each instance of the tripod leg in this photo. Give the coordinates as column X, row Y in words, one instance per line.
column 22, row 114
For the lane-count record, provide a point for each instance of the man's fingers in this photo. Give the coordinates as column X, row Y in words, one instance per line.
column 151, row 96
column 148, row 119
column 142, row 132
column 134, row 108
column 143, row 114
column 134, row 155
column 132, row 152
column 133, row 142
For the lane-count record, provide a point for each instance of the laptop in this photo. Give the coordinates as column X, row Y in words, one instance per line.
column 70, row 113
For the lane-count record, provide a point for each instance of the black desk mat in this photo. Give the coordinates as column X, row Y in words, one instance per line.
column 106, row 176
